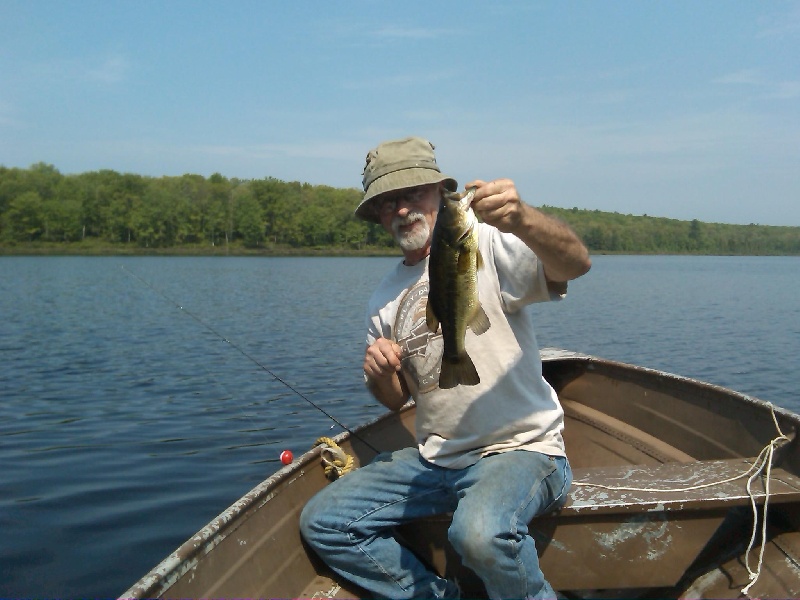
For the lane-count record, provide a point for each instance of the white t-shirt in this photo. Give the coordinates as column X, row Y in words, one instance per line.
column 513, row 407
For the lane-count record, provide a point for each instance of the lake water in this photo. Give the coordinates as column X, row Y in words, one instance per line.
column 126, row 423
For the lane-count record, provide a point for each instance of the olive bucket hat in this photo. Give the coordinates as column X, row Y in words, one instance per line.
column 395, row 165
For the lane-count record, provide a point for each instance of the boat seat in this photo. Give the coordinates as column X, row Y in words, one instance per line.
column 634, row 538
column 613, row 495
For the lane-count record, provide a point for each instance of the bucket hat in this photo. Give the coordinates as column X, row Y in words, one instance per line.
column 395, row 165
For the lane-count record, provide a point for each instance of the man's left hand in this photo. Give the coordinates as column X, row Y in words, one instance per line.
column 498, row 203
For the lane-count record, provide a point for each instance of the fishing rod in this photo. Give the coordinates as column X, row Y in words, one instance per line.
column 249, row 356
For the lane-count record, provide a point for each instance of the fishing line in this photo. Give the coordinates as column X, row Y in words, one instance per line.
column 249, row 356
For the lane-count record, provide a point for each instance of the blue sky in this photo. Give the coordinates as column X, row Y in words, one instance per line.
column 685, row 109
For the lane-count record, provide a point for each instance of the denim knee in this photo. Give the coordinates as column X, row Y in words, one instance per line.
column 474, row 541
column 317, row 527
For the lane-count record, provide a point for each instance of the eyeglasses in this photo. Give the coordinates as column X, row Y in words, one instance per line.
column 413, row 197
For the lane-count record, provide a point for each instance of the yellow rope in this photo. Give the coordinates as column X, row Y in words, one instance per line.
column 337, row 462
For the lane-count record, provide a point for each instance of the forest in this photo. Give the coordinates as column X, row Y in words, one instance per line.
column 106, row 212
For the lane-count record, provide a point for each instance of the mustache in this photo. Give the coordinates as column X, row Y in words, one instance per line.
column 409, row 219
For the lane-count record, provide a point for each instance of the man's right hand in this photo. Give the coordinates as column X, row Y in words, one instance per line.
column 382, row 359
column 382, row 367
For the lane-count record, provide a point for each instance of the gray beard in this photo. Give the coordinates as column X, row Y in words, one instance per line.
column 415, row 239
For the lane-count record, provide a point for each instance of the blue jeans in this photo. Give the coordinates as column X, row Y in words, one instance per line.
column 349, row 523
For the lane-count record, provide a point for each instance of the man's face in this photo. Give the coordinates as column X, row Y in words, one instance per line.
column 410, row 214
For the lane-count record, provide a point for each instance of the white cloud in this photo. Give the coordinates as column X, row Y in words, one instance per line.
column 743, row 77
column 106, row 70
column 7, row 118
column 654, row 150
column 404, row 80
column 398, row 32
column 775, row 90
column 311, row 149
column 785, row 90
column 780, row 25
column 112, row 69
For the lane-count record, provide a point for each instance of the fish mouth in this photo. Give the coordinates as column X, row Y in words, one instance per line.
column 466, row 201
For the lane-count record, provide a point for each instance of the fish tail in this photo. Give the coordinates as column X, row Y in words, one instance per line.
column 458, row 370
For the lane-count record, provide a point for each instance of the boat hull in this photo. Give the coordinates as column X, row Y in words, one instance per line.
column 623, row 424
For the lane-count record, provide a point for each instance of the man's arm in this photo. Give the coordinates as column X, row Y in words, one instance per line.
column 382, row 368
column 561, row 251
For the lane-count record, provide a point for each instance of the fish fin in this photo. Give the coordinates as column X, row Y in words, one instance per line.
column 459, row 371
column 479, row 260
column 480, row 321
column 430, row 318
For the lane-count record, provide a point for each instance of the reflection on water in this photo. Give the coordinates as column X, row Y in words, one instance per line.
column 126, row 424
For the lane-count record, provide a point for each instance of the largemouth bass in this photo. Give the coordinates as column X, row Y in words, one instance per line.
column 453, row 288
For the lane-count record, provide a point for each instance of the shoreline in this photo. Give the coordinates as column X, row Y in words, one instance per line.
column 192, row 250
column 79, row 249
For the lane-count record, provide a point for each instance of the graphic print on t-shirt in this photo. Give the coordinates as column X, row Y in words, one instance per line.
column 422, row 349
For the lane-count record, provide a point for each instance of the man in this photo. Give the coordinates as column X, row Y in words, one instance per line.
column 491, row 453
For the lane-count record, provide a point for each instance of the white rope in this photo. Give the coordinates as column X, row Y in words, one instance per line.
column 754, row 575
column 762, row 461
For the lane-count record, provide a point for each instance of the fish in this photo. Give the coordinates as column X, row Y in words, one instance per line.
column 453, row 286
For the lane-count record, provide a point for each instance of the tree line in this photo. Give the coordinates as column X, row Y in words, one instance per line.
column 617, row 233
column 41, row 207
column 39, row 204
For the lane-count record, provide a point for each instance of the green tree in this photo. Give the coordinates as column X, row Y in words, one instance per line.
column 23, row 221
column 248, row 217
column 215, row 211
column 61, row 219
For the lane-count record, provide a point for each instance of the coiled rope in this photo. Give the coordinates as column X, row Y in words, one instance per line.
column 336, row 461
column 762, row 464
